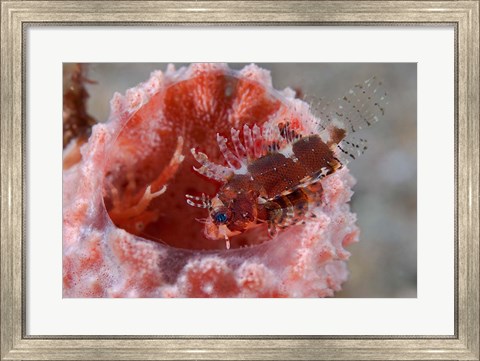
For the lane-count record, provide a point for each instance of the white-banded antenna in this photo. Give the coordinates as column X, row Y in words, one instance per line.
column 201, row 202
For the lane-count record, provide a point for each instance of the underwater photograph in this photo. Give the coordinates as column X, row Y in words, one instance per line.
column 249, row 180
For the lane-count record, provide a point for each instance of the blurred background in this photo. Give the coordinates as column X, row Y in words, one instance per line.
column 384, row 263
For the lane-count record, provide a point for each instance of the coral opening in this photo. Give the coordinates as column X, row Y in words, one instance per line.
column 147, row 155
column 139, row 167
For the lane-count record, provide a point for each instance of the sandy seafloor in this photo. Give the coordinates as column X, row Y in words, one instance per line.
column 384, row 263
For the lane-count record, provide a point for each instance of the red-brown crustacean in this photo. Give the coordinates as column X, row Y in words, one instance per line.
column 274, row 175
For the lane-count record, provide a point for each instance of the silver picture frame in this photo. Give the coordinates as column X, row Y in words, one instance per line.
column 16, row 16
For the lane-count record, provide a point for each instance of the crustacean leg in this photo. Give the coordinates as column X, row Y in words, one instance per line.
column 130, row 209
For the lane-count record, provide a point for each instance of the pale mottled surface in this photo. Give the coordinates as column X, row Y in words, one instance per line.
column 100, row 259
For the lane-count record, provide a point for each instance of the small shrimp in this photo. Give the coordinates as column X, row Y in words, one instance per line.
column 274, row 175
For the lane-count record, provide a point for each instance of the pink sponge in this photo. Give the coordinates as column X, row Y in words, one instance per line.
column 127, row 230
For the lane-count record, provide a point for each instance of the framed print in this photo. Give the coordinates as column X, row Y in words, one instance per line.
column 215, row 179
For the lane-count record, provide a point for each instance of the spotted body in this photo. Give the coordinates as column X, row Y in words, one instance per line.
column 273, row 173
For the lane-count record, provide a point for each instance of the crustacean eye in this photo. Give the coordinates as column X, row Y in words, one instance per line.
column 220, row 217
